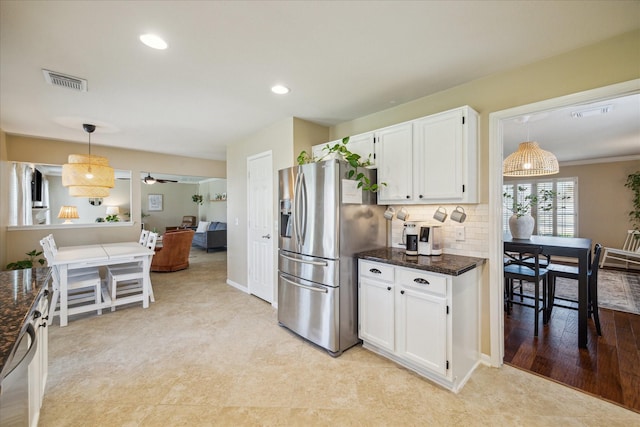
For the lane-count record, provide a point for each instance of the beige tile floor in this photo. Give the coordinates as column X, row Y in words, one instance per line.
column 207, row 354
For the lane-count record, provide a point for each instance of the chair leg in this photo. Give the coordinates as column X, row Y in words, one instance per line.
column 99, row 296
column 593, row 306
column 536, row 306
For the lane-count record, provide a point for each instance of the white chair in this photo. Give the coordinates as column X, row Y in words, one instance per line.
column 83, row 285
column 127, row 279
column 630, row 252
column 144, row 236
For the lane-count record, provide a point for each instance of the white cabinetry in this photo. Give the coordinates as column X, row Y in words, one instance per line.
column 427, row 322
column 395, row 165
column 361, row 144
column 444, row 169
column 38, row 368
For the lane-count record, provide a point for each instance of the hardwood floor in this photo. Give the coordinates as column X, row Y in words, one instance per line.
column 609, row 368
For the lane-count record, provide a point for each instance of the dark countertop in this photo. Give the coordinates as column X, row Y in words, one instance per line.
column 453, row 265
column 19, row 291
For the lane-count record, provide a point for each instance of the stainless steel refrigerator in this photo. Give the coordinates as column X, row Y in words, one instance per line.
column 324, row 219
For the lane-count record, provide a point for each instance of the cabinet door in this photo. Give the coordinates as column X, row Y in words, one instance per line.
column 438, row 152
column 363, row 145
column 422, row 329
column 376, row 313
column 395, row 167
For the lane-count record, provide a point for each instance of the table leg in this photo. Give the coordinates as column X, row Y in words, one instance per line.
column 64, row 300
column 583, row 299
column 145, row 281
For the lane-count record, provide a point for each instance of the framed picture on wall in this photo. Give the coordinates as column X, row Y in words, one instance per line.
column 155, row 202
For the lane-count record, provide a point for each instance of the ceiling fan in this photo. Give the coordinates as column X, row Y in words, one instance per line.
column 149, row 180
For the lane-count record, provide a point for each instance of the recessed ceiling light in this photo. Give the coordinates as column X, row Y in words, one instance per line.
column 153, row 41
column 280, row 90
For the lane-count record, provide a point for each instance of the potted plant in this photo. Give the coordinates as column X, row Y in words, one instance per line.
column 340, row 150
column 521, row 223
column 197, row 198
column 633, row 183
column 27, row 262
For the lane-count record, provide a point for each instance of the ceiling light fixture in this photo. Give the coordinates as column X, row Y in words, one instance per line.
column 88, row 175
column 153, row 41
column 280, row 90
column 530, row 160
column 597, row 111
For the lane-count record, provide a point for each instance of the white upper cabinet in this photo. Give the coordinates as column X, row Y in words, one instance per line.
column 433, row 162
column 395, row 165
column 361, row 144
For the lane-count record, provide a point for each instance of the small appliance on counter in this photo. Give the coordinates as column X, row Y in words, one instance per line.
column 430, row 240
column 411, row 238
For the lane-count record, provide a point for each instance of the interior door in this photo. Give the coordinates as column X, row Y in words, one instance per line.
column 260, row 234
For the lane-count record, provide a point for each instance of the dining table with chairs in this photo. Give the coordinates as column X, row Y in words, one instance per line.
column 68, row 259
column 570, row 247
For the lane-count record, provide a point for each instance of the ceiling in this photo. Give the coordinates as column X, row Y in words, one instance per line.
column 211, row 87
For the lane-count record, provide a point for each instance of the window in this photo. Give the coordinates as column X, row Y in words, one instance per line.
column 562, row 219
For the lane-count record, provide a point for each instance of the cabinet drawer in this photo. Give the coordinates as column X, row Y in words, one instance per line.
column 376, row 270
column 423, row 281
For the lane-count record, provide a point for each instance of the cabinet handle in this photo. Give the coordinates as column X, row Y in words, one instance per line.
column 408, row 197
column 375, row 271
column 421, row 281
column 420, row 196
column 402, row 292
column 388, row 288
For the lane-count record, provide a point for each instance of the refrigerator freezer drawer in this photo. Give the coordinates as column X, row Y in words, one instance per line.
column 310, row 310
column 317, row 270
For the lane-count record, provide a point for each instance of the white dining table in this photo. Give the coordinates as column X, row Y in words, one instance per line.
column 99, row 255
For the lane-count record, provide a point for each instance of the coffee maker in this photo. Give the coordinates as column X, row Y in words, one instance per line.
column 430, row 240
column 410, row 238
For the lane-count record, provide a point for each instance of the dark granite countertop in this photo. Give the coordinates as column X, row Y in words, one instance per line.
column 453, row 265
column 19, row 291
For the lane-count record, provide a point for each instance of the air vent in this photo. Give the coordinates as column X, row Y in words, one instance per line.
column 70, row 82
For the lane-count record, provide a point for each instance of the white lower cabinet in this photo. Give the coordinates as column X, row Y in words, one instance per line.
column 427, row 322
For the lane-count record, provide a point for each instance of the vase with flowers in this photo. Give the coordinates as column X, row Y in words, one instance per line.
column 521, row 223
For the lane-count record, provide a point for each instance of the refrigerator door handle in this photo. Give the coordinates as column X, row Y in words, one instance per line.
column 304, row 261
column 311, row 288
column 303, row 203
column 296, row 207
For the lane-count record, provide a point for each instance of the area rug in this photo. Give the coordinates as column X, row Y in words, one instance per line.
column 617, row 290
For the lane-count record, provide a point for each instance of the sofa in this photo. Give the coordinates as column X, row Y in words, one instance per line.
column 210, row 235
column 174, row 253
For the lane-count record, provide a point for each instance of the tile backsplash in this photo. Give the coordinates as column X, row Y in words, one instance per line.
column 476, row 228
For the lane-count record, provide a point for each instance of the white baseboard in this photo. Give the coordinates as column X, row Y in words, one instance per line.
column 238, row 286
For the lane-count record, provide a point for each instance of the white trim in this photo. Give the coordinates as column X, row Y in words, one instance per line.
column 496, row 319
column 602, row 160
column 238, row 286
column 69, row 226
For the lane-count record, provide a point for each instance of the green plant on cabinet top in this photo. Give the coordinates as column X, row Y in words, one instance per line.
column 340, row 149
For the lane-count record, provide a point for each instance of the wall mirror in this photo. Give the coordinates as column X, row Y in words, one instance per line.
column 37, row 196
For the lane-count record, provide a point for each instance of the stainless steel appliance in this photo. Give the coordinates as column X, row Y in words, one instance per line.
column 430, row 241
column 324, row 219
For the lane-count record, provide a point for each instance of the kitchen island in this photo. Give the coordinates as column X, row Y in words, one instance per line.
column 422, row 312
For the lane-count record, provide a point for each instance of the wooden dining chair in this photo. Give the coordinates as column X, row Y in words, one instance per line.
column 524, row 266
column 571, row 272
column 127, row 279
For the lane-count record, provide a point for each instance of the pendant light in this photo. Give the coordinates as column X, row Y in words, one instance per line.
column 88, row 175
column 530, row 159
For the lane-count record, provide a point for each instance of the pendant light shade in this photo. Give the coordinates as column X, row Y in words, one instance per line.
column 88, row 175
column 530, row 160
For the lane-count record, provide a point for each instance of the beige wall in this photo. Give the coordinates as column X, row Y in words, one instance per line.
column 48, row 151
column 215, row 210
column 284, row 139
column 176, row 201
column 612, row 61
